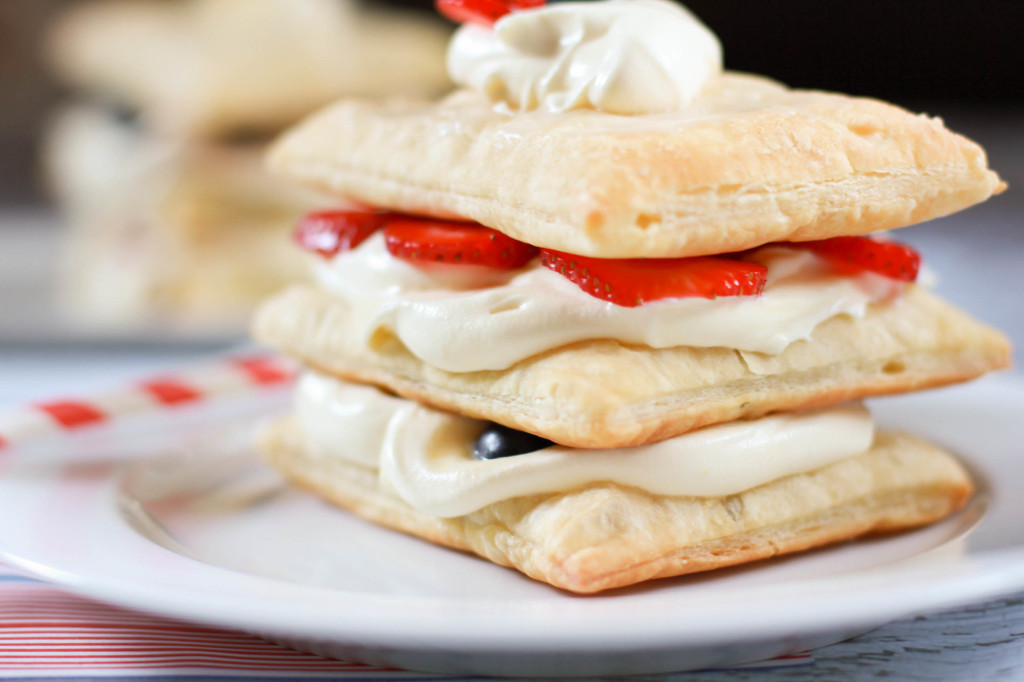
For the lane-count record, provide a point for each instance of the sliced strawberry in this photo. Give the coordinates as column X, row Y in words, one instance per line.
column 484, row 12
column 634, row 281
column 447, row 241
column 328, row 232
column 857, row 254
column 518, row 5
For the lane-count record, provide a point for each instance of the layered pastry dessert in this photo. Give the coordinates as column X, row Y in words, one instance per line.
column 607, row 312
column 159, row 168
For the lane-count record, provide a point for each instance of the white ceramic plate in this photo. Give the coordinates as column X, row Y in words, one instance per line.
column 172, row 513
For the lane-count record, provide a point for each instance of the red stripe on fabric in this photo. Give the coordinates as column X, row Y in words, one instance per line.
column 95, row 621
column 184, row 658
column 176, row 661
column 90, row 621
column 326, row 666
column 129, row 630
column 170, row 391
column 43, row 618
column 86, row 640
column 21, row 614
column 60, row 665
column 132, row 633
column 72, row 414
column 262, row 370
column 90, row 625
column 232, row 648
column 146, row 649
column 43, row 608
column 117, row 656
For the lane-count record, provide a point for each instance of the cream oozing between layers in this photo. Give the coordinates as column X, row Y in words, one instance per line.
column 425, row 455
column 464, row 318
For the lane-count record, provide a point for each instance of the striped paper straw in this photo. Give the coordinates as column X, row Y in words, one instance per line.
column 195, row 385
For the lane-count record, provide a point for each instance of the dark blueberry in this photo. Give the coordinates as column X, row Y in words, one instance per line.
column 500, row 441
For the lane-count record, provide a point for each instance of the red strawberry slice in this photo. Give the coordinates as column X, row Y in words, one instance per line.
column 484, row 12
column 328, row 232
column 856, row 254
column 634, row 281
column 518, row 5
column 447, row 241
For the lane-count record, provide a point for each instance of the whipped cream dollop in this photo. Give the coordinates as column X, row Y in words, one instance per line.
column 464, row 318
column 425, row 455
column 618, row 56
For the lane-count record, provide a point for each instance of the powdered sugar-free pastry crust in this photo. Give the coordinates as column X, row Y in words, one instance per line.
column 605, row 536
column 749, row 162
column 605, row 394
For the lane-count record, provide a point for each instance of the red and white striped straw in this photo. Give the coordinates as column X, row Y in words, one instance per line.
column 228, row 375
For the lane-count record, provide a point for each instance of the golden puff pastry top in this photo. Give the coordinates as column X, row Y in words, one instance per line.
column 205, row 68
column 750, row 162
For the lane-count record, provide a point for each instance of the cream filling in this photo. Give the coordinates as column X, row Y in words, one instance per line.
column 425, row 455
column 621, row 56
column 471, row 318
column 349, row 418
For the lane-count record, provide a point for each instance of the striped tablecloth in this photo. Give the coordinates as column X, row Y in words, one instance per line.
column 46, row 633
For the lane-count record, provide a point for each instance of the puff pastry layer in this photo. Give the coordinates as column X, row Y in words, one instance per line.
column 604, row 394
column 606, row 536
column 749, row 163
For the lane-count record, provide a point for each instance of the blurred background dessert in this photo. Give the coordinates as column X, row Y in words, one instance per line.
column 156, row 164
column 224, row 69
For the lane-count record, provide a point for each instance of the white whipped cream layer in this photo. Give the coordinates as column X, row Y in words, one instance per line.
column 425, row 455
column 464, row 318
column 333, row 413
column 618, row 56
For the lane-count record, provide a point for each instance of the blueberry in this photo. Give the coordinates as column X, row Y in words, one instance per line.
column 500, row 441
